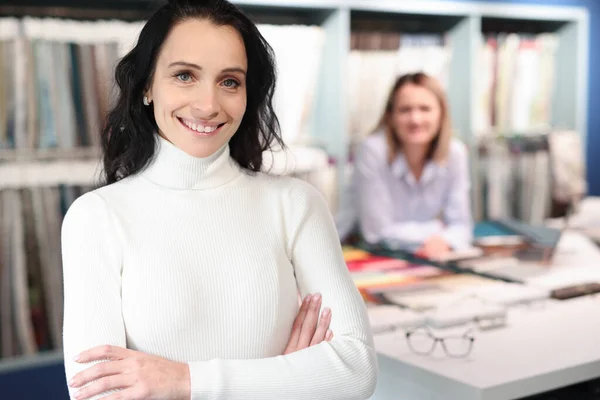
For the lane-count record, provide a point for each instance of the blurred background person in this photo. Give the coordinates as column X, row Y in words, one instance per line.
column 411, row 184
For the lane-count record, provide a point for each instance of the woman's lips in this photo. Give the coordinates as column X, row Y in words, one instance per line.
column 203, row 133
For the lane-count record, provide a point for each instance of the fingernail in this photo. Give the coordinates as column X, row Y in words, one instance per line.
column 307, row 298
column 77, row 358
column 329, row 334
column 72, row 383
column 316, row 297
column 326, row 312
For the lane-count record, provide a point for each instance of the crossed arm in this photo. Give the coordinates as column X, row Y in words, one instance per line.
column 144, row 376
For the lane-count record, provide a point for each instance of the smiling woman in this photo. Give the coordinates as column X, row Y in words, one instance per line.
column 183, row 81
column 182, row 273
column 199, row 92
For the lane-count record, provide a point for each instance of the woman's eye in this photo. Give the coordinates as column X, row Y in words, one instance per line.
column 184, row 77
column 230, row 83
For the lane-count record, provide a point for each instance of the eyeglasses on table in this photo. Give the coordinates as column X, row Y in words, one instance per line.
column 421, row 340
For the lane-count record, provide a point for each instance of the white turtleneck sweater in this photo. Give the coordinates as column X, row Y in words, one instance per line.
column 198, row 261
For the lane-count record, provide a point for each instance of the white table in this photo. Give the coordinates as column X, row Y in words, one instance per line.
column 540, row 349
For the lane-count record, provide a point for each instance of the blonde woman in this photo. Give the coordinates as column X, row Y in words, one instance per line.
column 411, row 180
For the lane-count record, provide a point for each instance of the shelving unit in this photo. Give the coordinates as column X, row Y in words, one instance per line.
column 569, row 102
column 463, row 22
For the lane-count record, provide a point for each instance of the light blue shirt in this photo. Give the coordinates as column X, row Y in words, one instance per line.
column 388, row 203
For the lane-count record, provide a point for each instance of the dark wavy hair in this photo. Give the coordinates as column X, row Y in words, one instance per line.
column 129, row 135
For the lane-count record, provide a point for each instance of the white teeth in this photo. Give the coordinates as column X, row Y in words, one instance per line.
column 200, row 128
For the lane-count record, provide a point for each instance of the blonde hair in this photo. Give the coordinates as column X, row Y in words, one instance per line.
column 439, row 147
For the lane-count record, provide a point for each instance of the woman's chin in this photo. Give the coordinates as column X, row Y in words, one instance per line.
column 417, row 139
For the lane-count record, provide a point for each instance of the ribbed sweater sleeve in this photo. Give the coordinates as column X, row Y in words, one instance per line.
column 92, row 282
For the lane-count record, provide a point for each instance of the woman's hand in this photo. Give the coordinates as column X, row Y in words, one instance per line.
column 308, row 330
column 139, row 375
column 434, row 247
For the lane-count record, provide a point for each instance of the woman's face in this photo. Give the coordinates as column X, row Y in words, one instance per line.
column 416, row 115
column 198, row 91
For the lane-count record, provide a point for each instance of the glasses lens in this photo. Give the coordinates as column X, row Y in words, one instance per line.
column 421, row 342
column 458, row 346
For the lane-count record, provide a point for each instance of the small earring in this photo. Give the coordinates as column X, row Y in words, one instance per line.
column 146, row 102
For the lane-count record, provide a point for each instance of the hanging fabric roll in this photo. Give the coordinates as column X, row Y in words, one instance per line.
column 8, row 339
column 31, row 293
column 57, row 80
column 20, row 290
column 297, row 70
column 516, row 84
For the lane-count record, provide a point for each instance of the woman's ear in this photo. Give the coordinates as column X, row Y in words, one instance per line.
column 147, row 98
column 148, row 93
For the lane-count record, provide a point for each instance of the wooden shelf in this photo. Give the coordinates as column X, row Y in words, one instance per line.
column 522, row 26
column 402, row 22
column 22, row 174
column 15, row 155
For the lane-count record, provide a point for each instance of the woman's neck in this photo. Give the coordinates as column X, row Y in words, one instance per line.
column 173, row 168
column 415, row 156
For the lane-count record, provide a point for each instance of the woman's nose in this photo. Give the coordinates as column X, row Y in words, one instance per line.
column 206, row 103
column 416, row 117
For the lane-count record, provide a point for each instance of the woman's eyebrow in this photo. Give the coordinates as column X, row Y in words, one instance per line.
column 195, row 66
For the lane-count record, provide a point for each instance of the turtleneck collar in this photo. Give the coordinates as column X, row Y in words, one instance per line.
column 173, row 168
